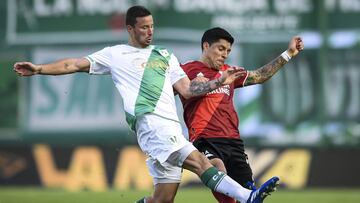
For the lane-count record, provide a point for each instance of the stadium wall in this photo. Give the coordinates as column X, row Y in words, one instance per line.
column 99, row 168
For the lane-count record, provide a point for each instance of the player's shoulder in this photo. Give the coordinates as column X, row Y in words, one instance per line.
column 122, row 47
column 119, row 48
column 163, row 51
column 193, row 68
column 161, row 48
column 191, row 65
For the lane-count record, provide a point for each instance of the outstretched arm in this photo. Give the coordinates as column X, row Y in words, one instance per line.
column 196, row 87
column 61, row 67
column 264, row 73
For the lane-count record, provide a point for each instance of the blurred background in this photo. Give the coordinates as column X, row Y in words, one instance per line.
column 69, row 132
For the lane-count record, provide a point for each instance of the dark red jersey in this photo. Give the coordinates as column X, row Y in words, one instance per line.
column 212, row 115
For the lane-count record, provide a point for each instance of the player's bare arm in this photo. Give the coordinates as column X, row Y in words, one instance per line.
column 197, row 87
column 61, row 67
column 264, row 73
column 200, row 79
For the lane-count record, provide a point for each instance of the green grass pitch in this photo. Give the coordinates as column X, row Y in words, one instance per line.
column 185, row 195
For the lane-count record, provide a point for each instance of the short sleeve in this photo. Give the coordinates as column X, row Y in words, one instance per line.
column 190, row 72
column 239, row 82
column 100, row 61
column 176, row 72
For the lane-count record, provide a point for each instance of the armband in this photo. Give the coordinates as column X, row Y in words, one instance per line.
column 286, row 56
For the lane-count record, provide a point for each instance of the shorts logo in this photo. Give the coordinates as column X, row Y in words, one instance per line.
column 207, row 154
column 173, row 140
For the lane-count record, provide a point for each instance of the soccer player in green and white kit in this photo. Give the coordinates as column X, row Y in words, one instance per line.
column 145, row 76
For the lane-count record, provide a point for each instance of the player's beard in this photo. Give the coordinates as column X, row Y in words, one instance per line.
column 144, row 42
column 217, row 65
column 148, row 40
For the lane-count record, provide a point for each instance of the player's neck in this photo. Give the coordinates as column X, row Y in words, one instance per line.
column 137, row 45
column 207, row 63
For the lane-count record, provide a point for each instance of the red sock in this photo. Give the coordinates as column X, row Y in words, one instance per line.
column 221, row 198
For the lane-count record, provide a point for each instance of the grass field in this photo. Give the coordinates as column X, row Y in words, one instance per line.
column 185, row 195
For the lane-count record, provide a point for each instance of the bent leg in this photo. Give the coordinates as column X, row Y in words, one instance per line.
column 213, row 178
column 221, row 198
column 196, row 162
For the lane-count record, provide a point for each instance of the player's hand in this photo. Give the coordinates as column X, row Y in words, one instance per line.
column 231, row 74
column 295, row 46
column 26, row 68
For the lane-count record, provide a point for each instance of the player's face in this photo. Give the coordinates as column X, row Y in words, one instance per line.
column 141, row 33
column 216, row 53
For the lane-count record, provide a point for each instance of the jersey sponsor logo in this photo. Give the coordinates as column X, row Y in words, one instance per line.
column 137, row 62
column 221, row 90
column 207, row 154
column 141, row 63
column 155, row 64
column 130, row 52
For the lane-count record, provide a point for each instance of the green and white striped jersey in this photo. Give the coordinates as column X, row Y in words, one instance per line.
column 143, row 76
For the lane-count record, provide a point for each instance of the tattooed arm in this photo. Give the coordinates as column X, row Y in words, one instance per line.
column 264, row 73
column 188, row 89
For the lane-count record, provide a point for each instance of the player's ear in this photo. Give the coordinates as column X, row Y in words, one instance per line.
column 129, row 28
column 205, row 46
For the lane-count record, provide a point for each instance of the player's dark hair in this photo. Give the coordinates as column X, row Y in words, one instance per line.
column 134, row 12
column 215, row 34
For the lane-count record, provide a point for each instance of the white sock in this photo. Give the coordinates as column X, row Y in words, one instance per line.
column 233, row 189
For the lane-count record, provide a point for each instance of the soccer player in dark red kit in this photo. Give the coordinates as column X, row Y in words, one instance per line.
column 211, row 119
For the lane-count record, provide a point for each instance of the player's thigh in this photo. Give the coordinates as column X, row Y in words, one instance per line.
column 208, row 148
column 238, row 168
column 165, row 192
column 163, row 172
column 213, row 152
